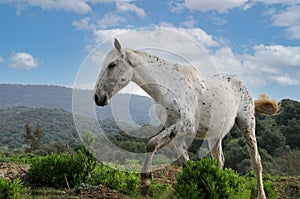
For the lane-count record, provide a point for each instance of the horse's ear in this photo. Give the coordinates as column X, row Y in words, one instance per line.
column 117, row 45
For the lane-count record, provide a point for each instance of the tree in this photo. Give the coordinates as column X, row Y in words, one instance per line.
column 28, row 133
column 291, row 132
column 34, row 140
column 272, row 141
column 38, row 136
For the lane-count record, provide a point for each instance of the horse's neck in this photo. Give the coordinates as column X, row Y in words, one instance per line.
column 150, row 71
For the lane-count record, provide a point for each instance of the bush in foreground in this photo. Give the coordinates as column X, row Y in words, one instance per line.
column 64, row 170
column 125, row 182
column 205, row 179
column 10, row 189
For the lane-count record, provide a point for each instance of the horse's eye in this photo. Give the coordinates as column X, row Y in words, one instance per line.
column 111, row 65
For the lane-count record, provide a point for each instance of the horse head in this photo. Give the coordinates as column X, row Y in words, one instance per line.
column 115, row 74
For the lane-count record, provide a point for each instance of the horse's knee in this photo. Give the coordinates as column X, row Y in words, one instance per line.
column 257, row 163
column 151, row 146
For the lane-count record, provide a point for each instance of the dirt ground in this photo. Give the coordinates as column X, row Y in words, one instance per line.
column 10, row 171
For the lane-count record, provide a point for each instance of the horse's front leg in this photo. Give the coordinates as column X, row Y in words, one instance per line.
column 157, row 142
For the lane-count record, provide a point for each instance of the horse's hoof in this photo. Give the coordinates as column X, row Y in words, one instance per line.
column 145, row 187
column 263, row 196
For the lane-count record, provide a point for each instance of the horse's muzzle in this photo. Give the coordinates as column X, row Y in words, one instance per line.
column 100, row 100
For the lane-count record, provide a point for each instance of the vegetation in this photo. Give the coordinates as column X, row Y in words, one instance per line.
column 10, row 189
column 65, row 170
column 269, row 185
column 33, row 139
column 125, row 182
column 56, row 124
column 198, row 179
column 206, row 179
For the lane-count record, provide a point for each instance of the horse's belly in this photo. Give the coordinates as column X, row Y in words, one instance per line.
column 217, row 115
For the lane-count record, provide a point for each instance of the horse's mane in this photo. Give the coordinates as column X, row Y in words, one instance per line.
column 187, row 71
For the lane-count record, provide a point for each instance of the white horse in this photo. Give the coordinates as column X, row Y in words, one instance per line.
column 194, row 106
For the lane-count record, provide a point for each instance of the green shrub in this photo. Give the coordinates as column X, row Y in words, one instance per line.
column 205, row 179
column 64, row 170
column 10, row 189
column 125, row 182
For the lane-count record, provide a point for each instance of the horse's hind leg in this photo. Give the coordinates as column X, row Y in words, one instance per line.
column 216, row 151
column 181, row 150
column 246, row 123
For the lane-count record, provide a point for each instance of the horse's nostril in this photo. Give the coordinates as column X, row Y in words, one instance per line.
column 96, row 98
column 100, row 101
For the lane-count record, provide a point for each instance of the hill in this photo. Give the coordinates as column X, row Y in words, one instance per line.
column 57, row 97
column 57, row 125
column 12, row 95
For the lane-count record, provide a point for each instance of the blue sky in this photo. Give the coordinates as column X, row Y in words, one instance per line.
column 45, row 41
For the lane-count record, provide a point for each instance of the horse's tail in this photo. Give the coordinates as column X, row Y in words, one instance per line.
column 266, row 106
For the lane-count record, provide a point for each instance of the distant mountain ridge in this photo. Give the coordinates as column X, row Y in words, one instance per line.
column 46, row 96
column 58, row 97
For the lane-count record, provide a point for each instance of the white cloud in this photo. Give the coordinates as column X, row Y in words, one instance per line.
column 290, row 19
column 109, row 20
column 101, row 1
column 137, row 36
column 124, row 6
column 83, row 24
column 22, row 60
column 217, row 5
column 1, row 59
column 216, row 20
column 274, row 63
column 77, row 6
column 285, row 2
column 284, row 80
column 277, row 55
column 176, row 6
column 189, row 23
column 227, row 61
